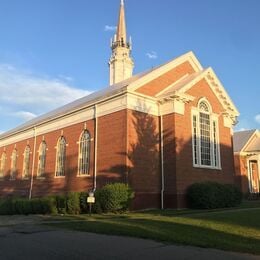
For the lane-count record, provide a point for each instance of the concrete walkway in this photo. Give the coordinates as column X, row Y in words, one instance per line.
column 23, row 238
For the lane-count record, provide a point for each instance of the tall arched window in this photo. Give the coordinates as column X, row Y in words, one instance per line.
column 205, row 144
column 2, row 165
column 26, row 162
column 60, row 157
column 13, row 164
column 42, row 159
column 84, row 153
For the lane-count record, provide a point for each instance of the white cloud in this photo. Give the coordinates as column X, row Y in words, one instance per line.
column 152, row 55
column 242, row 129
column 24, row 115
column 257, row 118
column 110, row 28
column 24, row 95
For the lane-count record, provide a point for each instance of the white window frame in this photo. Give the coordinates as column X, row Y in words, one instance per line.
column 40, row 169
column 80, row 174
column 195, row 112
column 58, row 161
column 13, row 164
column 2, row 165
column 26, row 162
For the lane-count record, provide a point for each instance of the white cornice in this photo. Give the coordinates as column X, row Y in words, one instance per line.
column 190, row 57
column 254, row 134
column 230, row 111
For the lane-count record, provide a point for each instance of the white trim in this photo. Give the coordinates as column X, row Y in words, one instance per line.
column 24, row 153
column 189, row 57
column 39, row 159
column 218, row 89
column 79, row 153
column 171, row 85
column 64, row 160
column 254, row 134
column 213, row 118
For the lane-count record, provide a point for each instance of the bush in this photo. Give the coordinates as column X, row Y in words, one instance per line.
column 7, row 206
column 61, row 204
column 73, row 203
column 48, row 205
column 211, row 195
column 114, row 197
column 25, row 206
column 22, row 206
column 83, row 202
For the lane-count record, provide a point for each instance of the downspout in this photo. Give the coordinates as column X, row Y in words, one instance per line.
column 95, row 152
column 162, row 160
column 33, row 163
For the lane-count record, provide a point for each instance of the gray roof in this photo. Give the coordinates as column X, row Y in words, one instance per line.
column 77, row 104
column 254, row 146
column 241, row 138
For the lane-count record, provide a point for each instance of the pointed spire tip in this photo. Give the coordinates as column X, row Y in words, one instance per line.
column 122, row 2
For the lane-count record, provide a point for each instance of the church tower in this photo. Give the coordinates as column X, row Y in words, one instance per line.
column 120, row 64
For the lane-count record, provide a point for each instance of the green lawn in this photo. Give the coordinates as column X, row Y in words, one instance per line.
column 232, row 230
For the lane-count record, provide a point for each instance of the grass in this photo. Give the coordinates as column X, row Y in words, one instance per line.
column 232, row 230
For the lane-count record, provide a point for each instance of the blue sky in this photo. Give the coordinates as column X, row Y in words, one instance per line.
column 53, row 51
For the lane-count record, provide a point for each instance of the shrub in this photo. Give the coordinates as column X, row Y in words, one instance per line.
column 83, row 202
column 114, row 197
column 61, row 204
column 73, row 203
column 7, row 206
column 22, row 206
column 210, row 195
column 48, row 205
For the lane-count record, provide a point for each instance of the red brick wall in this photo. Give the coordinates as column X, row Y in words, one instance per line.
column 144, row 159
column 111, row 162
column 241, row 177
column 18, row 186
column 158, row 84
column 182, row 165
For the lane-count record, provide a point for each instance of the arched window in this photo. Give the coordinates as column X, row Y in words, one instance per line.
column 84, row 153
column 2, row 165
column 60, row 157
column 42, row 159
column 13, row 164
column 205, row 144
column 26, row 162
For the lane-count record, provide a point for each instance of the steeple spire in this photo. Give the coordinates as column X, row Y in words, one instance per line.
column 121, row 64
column 121, row 27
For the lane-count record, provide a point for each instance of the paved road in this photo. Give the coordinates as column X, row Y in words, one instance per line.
column 23, row 238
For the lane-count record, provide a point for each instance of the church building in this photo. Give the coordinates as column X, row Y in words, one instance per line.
column 158, row 131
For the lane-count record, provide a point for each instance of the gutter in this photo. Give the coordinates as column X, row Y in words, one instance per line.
column 162, row 160
column 33, row 163
column 95, row 152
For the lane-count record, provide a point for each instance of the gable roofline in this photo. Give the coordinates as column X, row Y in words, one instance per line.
column 255, row 133
column 155, row 73
column 241, row 139
column 218, row 89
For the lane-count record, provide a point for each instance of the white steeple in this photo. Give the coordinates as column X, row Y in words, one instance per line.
column 120, row 64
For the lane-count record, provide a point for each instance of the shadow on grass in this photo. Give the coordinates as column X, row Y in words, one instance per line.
column 168, row 231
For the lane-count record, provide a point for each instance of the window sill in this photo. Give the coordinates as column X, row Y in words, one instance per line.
column 40, row 178
column 207, row 167
column 25, row 178
column 59, row 177
column 83, row 176
column 12, row 179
